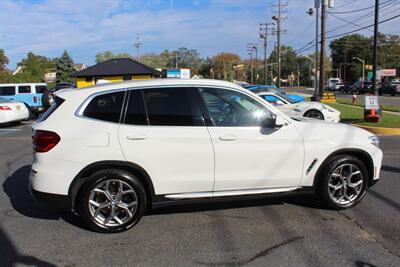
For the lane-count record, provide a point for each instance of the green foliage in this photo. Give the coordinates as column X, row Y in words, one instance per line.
column 344, row 49
column 3, row 60
column 100, row 57
column 64, row 68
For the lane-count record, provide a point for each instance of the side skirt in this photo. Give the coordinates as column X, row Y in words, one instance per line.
column 226, row 196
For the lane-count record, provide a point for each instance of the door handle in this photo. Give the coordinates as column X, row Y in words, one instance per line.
column 137, row 137
column 228, row 138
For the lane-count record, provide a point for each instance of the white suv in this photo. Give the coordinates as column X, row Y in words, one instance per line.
column 110, row 152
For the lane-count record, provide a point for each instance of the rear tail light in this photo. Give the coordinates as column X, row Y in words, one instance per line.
column 43, row 141
column 35, row 99
column 5, row 108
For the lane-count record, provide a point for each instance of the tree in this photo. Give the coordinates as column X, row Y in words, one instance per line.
column 188, row 58
column 223, row 64
column 343, row 51
column 3, row 60
column 64, row 68
column 100, row 57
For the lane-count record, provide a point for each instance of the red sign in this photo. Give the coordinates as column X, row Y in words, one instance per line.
column 388, row 72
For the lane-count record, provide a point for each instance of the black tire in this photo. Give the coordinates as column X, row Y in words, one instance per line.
column 315, row 114
column 323, row 189
column 111, row 175
column 32, row 115
column 47, row 98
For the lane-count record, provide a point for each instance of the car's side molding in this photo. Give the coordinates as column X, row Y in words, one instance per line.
column 131, row 167
column 356, row 152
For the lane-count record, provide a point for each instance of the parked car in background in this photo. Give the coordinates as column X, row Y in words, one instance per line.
column 103, row 151
column 363, row 87
column 347, row 89
column 390, row 87
column 331, row 84
column 30, row 94
column 314, row 110
column 12, row 111
column 273, row 89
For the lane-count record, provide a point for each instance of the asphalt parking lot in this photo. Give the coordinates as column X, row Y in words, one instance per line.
column 264, row 232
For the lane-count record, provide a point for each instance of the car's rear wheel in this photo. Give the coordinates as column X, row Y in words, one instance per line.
column 315, row 114
column 343, row 183
column 112, row 201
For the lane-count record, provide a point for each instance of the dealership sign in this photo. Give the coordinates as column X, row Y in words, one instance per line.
column 371, row 102
column 388, row 72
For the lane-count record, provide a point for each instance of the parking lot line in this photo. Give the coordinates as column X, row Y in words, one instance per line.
column 8, row 131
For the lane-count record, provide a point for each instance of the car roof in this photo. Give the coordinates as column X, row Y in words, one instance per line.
column 162, row 82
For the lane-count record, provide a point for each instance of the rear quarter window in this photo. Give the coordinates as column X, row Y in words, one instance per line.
column 7, row 90
column 105, row 107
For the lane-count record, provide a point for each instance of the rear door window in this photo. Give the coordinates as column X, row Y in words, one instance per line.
column 24, row 89
column 7, row 90
column 172, row 107
column 136, row 112
column 106, row 107
column 40, row 89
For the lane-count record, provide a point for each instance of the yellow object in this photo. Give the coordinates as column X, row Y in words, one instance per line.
column 328, row 98
column 87, row 81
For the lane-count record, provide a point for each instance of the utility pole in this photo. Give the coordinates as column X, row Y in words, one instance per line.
column 375, row 55
column 264, row 35
column 252, row 47
column 137, row 45
column 251, row 66
column 322, row 59
column 323, row 51
column 278, row 18
column 310, row 12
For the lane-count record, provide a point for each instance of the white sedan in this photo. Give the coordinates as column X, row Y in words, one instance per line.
column 314, row 110
column 11, row 111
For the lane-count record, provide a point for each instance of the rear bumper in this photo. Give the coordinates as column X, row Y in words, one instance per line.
column 53, row 200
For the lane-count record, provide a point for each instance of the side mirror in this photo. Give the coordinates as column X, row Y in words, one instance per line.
column 276, row 121
column 279, row 103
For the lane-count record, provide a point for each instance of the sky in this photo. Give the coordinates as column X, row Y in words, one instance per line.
column 87, row 27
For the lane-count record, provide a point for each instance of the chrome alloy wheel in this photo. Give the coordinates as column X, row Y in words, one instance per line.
column 113, row 202
column 345, row 184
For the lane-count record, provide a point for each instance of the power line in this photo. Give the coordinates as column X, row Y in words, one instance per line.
column 367, row 15
column 345, row 20
column 363, row 28
column 356, row 10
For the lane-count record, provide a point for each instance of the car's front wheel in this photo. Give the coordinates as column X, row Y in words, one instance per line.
column 315, row 114
column 112, row 201
column 344, row 182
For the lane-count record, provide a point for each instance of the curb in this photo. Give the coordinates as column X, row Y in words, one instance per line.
column 380, row 130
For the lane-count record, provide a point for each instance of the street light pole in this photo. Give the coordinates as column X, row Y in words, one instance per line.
column 363, row 67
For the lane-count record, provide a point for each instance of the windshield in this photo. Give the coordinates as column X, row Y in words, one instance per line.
column 291, row 101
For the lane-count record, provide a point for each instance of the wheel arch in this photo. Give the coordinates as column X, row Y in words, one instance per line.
column 355, row 152
column 130, row 167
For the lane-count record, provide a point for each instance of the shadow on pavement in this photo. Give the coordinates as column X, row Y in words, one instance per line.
column 226, row 203
column 16, row 187
column 385, row 199
column 10, row 257
column 390, row 169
